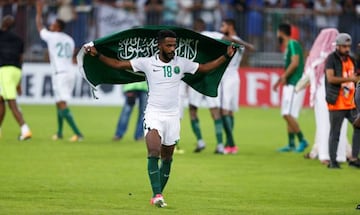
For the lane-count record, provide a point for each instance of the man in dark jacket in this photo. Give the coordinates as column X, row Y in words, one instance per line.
column 340, row 82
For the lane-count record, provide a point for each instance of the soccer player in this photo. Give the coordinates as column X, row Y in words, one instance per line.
column 163, row 72
column 11, row 51
column 223, row 106
column 340, row 82
column 291, row 101
column 61, row 52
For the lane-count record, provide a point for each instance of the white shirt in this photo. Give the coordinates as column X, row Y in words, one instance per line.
column 61, row 49
column 164, row 81
column 232, row 70
column 233, row 66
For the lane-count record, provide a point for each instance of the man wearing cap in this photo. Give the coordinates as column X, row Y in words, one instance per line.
column 340, row 82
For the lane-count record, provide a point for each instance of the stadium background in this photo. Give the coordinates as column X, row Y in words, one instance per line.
column 256, row 22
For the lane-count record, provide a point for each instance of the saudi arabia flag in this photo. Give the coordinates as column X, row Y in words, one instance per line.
column 142, row 42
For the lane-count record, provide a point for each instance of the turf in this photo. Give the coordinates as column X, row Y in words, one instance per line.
column 98, row 176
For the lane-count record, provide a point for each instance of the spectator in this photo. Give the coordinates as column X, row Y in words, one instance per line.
column 66, row 12
column 153, row 11
column 210, row 13
column 81, row 23
column 240, row 8
column 255, row 22
column 348, row 15
column 170, row 12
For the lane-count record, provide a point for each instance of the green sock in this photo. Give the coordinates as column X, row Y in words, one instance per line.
column 228, row 131
column 218, row 130
column 196, row 128
column 300, row 136
column 154, row 175
column 68, row 117
column 60, row 121
column 232, row 122
column 164, row 172
column 291, row 137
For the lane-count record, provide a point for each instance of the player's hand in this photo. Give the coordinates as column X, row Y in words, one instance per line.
column 39, row 5
column 91, row 50
column 280, row 81
column 231, row 50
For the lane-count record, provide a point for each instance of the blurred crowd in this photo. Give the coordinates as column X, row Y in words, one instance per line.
column 256, row 20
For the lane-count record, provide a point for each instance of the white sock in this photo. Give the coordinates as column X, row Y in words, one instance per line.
column 220, row 147
column 25, row 129
column 201, row 143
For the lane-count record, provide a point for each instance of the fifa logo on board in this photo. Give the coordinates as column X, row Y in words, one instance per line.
column 146, row 47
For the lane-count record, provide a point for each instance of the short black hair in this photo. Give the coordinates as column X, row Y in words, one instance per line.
column 230, row 22
column 165, row 33
column 61, row 24
column 285, row 28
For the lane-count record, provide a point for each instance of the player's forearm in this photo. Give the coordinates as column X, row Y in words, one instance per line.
column 39, row 24
column 207, row 67
column 112, row 62
column 38, row 18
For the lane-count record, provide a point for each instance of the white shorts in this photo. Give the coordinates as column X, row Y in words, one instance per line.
column 168, row 127
column 229, row 93
column 63, row 86
column 291, row 102
column 195, row 99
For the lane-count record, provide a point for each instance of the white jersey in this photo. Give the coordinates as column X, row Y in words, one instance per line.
column 233, row 66
column 164, row 81
column 61, row 49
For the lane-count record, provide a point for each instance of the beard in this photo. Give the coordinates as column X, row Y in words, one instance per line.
column 168, row 56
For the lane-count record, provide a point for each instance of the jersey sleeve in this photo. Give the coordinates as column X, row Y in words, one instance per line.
column 189, row 66
column 213, row 34
column 139, row 64
column 45, row 34
column 295, row 48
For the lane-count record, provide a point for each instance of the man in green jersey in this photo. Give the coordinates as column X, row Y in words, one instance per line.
column 291, row 101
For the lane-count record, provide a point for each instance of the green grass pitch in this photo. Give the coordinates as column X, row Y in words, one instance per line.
column 98, row 176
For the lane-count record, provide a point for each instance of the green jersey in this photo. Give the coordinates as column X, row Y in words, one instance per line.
column 294, row 48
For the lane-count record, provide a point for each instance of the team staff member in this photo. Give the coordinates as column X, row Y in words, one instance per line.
column 61, row 51
column 163, row 72
column 11, row 51
column 291, row 100
column 340, row 82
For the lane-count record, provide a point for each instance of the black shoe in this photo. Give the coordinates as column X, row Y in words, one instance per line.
column 355, row 163
column 334, row 165
column 199, row 149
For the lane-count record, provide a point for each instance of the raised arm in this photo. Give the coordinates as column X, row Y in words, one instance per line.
column 209, row 66
column 38, row 18
column 112, row 62
column 239, row 41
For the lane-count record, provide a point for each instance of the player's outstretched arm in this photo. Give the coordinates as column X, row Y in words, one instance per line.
column 209, row 66
column 112, row 62
column 38, row 18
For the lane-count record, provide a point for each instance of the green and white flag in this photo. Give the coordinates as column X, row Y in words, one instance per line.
column 142, row 42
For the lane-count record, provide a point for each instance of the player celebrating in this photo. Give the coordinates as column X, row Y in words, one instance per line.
column 163, row 72
column 223, row 106
column 61, row 51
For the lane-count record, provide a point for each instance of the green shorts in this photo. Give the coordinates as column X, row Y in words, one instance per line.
column 9, row 79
